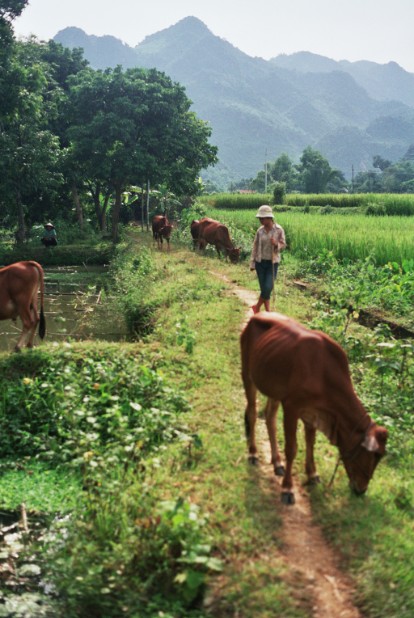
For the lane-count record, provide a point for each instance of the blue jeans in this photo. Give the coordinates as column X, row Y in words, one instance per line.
column 266, row 273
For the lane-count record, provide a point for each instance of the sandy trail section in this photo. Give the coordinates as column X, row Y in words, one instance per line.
column 304, row 547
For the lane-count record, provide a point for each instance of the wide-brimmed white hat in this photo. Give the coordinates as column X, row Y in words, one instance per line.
column 49, row 224
column 264, row 211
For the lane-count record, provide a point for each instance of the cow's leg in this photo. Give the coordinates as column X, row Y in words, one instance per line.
column 290, row 425
column 270, row 416
column 168, row 244
column 250, row 417
column 35, row 321
column 29, row 327
column 310, row 435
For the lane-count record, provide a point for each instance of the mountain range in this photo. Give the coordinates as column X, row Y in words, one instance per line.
column 258, row 109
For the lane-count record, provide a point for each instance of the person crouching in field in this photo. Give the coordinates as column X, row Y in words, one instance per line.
column 268, row 243
column 49, row 238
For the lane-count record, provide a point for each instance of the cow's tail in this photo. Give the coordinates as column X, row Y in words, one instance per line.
column 42, row 320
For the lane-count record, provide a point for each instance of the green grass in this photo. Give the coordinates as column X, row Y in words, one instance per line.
column 386, row 239
column 392, row 203
column 42, row 489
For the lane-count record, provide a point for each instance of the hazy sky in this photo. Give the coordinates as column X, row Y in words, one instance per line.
column 377, row 30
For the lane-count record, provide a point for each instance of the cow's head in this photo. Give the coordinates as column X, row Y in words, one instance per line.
column 194, row 228
column 361, row 462
column 234, row 255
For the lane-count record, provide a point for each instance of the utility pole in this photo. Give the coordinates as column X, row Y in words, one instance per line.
column 265, row 171
column 352, row 181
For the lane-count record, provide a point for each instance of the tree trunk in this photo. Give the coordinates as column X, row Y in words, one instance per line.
column 21, row 228
column 115, row 214
column 148, row 199
column 100, row 210
column 78, row 205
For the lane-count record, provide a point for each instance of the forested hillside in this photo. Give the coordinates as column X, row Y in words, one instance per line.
column 259, row 109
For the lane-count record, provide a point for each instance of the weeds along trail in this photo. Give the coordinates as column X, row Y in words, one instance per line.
column 303, row 546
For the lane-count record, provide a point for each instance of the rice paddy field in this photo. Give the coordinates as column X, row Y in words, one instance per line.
column 391, row 203
column 351, row 236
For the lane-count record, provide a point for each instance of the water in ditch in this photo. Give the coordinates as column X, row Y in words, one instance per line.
column 74, row 306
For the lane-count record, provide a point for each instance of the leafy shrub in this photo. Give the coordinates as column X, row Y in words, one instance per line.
column 132, row 557
column 80, row 408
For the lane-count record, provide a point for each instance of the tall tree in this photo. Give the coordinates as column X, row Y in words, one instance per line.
column 314, row 170
column 132, row 127
column 9, row 10
column 28, row 151
column 283, row 170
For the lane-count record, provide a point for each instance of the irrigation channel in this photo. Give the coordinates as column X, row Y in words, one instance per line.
column 73, row 296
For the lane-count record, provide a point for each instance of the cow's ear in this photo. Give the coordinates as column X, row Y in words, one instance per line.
column 375, row 440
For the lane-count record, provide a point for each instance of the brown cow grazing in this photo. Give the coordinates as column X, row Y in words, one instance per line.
column 211, row 232
column 194, row 231
column 19, row 287
column 308, row 373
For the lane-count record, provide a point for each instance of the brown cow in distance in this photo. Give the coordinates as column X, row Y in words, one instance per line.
column 19, row 286
column 161, row 229
column 165, row 233
column 211, row 232
column 308, row 373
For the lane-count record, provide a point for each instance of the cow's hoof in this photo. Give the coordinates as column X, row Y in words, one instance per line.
column 280, row 470
column 313, row 480
column 288, row 497
column 254, row 460
column 16, row 349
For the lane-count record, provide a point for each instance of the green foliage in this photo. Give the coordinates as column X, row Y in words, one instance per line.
column 68, row 408
column 185, row 336
column 107, row 417
column 128, row 128
column 143, row 558
column 133, row 277
column 279, row 193
column 363, row 283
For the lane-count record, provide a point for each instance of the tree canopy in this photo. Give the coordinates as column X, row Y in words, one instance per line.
column 68, row 132
column 133, row 127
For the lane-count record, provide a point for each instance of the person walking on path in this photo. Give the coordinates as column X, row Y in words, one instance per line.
column 265, row 258
column 49, row 238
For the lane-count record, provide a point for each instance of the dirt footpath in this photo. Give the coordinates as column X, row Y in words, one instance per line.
column 304, row 547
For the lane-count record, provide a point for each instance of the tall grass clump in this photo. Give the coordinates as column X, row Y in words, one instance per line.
column 133, row 275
